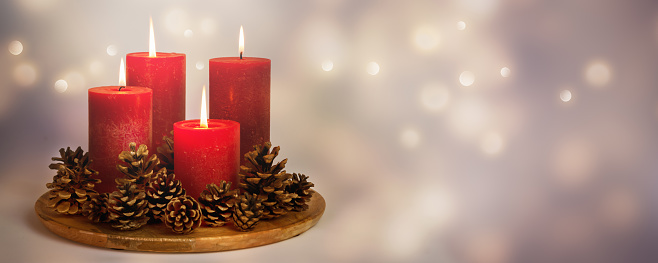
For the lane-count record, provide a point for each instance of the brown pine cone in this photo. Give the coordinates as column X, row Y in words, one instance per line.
column 96, row 208
column 162, row 188
column 166, row 153
column 183, row 215
column 247, row 212
column 139, row 167
column 70, row 189
column 302, row 188
column 217, row 203
column 128, row 207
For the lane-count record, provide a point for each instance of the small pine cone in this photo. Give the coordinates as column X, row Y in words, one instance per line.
column 166, row 153
column 70, row 189
column 162, row 188
column 302, row 188
column 128, row 207
column 96, row 208
column 247, row 212
column 183, row 215
column 139, row 167
column 217, row 203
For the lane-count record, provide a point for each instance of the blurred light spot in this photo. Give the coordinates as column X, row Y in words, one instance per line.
column 598, row 73
column 492, row 143
column 565, row 95
column 188, row 33
column 505, row 72
column 25, row 75
column 61, row 86
column 621, row 208
column 75, row 81
column 15, row 47
column 208, row 26
column 434, row 97
column 426, row 38
column 574, row 162
column 96, row 67
column 373, row 68
column 327, row 65
column 175, row 21
column 461, row 25
column 467, row 78
column 409, row 138
column 200, row 65
column 468, row 117
column 436, row 206
column 112, row 50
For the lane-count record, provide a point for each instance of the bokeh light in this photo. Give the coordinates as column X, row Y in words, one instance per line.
column 467, row 78
column 565, row 95
column 461, row 25
column 468, row 117
column 25, row 75
column 188, row 33
column 505, row 72
column 426, row 38
column 15, row 47
column 409, row 138
column 327, row 65
column 200, row 65
column 61, row 86
column 76, row 82
column 598, row 73
column 372, row 68
column 112, row 50
column 434, row 97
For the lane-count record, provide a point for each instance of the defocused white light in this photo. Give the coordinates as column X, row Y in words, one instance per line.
column 505, row 72
column 200, row 65
column 492, row 143
column 61, row 86
column 25, row 75
column 327, row 65
column 468, row 117
column 598, row 73
column 373, row 68
column 565, row 95
column 75, row 81
column 461, row 25
column 111, row 50
column 15, row 47
column 434, row 97
column 409, row 138
column 467, row 78
column 188, row 33
column 426, row 38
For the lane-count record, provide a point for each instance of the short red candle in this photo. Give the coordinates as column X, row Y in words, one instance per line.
column 206, row 155
column 165, row 75
column 240, row 91
column 116, row 118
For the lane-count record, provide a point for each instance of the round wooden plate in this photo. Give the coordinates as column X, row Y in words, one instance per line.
column 158, row 238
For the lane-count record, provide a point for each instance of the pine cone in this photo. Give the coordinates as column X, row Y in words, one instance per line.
column 183, row 215
column 267, row 181
column 217, row 203
column 96, row 208
column 247, row 212
column 139, row 166
column 72, row 185
column 166, row 153
column 128, row 207
column 302, row 188
column 162, row 188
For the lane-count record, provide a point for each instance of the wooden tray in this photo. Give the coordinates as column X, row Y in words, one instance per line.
column 158, row 238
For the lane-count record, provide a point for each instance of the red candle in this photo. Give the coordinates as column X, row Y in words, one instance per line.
column 240, row 91
column 206, row 153
column 164, row 73
column 118, row 115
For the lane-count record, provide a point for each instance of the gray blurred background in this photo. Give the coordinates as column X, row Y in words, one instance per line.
column 438, row 131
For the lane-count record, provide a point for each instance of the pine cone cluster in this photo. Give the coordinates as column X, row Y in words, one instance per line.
column 166, row 153
column 248, row 211
column 128, row 207
column 96, row 208
column 183, row 214
column 217, row 203
column 72, row 186
column 163, row 188
column 139, row 167
column 302, row 188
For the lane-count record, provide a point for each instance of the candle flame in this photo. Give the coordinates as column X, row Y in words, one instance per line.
column 241, row 42
column 204, row 115
column 122, row 74
column 151, row 39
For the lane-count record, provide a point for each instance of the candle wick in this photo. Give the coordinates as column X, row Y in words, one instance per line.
column 121, row 87
column 240, row 55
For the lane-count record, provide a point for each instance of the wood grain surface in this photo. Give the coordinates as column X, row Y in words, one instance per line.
column 158, row 238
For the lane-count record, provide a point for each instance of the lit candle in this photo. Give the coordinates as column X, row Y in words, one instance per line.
column 240, row 91
column 206, row 151
column 118, row 115
column 164, row 73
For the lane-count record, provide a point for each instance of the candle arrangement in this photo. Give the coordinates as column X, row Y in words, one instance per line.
column 196, row 179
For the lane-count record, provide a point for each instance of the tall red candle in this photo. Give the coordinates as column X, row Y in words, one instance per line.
column 206, row 155
column 240, row 91
column 116, row 118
